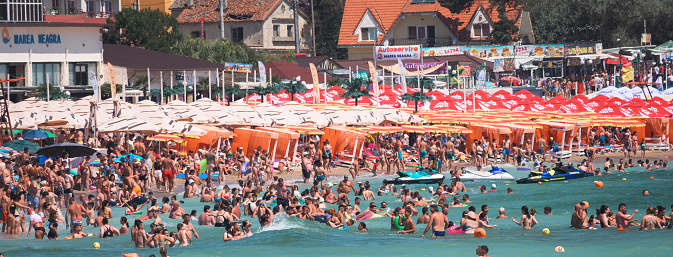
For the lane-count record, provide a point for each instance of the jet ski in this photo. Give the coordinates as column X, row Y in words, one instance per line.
column 556, row 174
column 422, row 176
column 494, row 174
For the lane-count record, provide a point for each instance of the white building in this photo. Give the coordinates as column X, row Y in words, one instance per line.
column 61, row 53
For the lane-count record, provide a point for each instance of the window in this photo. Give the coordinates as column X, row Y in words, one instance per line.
column 108, row 6
column 419, row 32
column 42, row 71
column 290, row 31
column 276, row 30
column 237, row 34
column 79, row 73
column 195, row 34
column 55, row 4
column 90, row 6
column 481, row 30
column 368, row 34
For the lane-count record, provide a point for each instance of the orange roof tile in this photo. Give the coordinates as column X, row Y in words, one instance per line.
column 462, row 19
column 388, row 12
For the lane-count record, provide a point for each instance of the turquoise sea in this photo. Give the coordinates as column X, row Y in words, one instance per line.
column 295, row 237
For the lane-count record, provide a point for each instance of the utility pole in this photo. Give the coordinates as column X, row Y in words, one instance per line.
column 296, row 27
column 222, row 4
column 313, row 27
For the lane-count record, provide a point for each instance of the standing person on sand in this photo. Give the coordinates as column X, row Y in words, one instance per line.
column 168, row 167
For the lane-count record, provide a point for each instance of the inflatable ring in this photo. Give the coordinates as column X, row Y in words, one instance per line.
column 244, row 169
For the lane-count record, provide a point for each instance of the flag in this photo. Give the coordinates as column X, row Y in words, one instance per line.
column 375, row 80
column 94, row 83
column 316, row 83
column 403, row 77
column 481, row 77
column 262, row 73
column 113, row 83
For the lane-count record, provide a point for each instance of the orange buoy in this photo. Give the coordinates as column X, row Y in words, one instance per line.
column 480, row 233
column 627, row 173
column 559, row 249
column 651, row 177
column 622, row 229
column 598, row 183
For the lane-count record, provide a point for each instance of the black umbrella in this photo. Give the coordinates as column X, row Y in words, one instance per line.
column 72, row 149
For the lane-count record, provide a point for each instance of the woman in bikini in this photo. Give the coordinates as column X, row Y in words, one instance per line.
column 650, row 221
column 526, row 219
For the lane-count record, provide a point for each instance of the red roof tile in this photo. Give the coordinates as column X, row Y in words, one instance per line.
column 75, row 18
column 237, row 10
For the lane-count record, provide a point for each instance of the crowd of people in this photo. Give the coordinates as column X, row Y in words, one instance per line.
column 48, row 195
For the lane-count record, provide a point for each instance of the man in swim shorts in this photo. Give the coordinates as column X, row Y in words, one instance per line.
column 422, row 150
column 541, row 148
column 437, row 221
column 167, row 166
column 75, row 211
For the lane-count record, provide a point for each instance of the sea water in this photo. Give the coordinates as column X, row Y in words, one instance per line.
column 296, row 237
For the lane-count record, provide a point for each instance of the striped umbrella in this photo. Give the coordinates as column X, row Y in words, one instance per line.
column 304, row 130
column 166, row 137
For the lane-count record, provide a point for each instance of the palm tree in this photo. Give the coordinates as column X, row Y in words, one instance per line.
column 229, row 91
column 293, row 87
column 55, row 92
column 355, row 89
column 263, row 91
column 425, row 83
column 142, row 84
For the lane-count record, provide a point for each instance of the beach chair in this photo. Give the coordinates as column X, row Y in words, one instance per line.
column 655, row 143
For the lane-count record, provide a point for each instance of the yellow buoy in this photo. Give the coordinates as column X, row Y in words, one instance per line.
column 96, row 245
column 545, row 231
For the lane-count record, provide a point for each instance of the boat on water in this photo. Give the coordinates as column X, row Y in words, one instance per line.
column 422, row 176
column 494, row 174
column 556, row 174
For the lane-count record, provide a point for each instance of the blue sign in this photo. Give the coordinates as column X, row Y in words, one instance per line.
column 29, row 39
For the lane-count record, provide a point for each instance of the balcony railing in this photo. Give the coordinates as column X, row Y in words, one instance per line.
column 73, row 11
column 426, row 42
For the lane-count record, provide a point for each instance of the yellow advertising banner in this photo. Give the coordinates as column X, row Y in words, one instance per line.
column 375, row 81
column 113, row 83
column 316, row 82
column 627, row 74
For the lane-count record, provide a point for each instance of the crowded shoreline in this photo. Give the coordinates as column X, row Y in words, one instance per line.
column 278, row 198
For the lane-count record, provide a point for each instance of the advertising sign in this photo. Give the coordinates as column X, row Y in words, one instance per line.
column 580, row 49
column 646, row 38
column 237, row 67
column 441, row 51
column 394, row 52
column 94, row 83
column 360, row 75
column 503, row 64
column 488, row 51
column 481, row 77
column 410, row 66
column 403, row 76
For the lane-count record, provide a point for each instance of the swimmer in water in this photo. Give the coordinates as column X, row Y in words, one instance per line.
column 527, row 220
column 438, row 222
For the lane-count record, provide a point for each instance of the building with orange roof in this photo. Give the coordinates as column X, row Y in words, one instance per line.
column 259, row 24
column 418, row 22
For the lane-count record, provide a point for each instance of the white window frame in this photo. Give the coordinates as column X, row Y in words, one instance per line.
column 369, row 34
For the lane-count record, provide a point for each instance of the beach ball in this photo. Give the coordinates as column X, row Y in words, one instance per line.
column 480, row 233
column 545, row 231
column 137, row 190
column 559, row 249
column 96, row 245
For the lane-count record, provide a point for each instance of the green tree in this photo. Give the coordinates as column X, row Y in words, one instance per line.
column 105, row 90
column 355, row 89
column 504, row 29
column 231, row 91
column 150, row 28
column 425, row 83
column 55, row 92
column 142, row 84
column 294, row 87
column 328, row 14
column 264, row 91
column 221, row 51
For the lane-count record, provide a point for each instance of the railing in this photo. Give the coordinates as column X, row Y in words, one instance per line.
column 73, row 11
column 426, row 42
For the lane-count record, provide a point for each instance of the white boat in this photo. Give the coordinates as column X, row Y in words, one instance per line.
column 494, row 174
